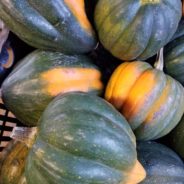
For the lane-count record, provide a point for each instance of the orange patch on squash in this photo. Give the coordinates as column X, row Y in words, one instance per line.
column 122, row 80
column 139, row 93
column 61, row 80
column 137, row 174
column 78, row 10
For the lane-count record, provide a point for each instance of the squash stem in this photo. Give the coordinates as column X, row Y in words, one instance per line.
column 159, row 64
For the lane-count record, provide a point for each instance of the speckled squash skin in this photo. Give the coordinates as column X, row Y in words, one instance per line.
column 82, row 140
column 163, row 166
column 151, row 101
column 12, row 163
column 41, row 76
column 57, row 25
column 177, row 138
column 174, row 54
column 132, row 29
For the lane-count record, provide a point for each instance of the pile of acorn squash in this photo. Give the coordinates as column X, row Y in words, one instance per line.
column 103, row 89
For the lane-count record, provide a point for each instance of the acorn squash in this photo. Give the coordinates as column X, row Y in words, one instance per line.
column 57, row 25
column 132, row 29
column 41, row 76
column 82, row 139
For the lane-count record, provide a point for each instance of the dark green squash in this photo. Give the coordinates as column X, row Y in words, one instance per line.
column 12, row 163
column 162, row 165
column 176, row 138
column 82, row 139
column 41, row 76
column 174, row 54
column 57, row 25
column 132, row 29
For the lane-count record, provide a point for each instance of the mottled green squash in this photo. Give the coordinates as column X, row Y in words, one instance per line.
column 12, row 163
column 41, row 76
column 162, row 165
column 57, row 25
column 174, row 55
column 82, row 139
column 132, row 29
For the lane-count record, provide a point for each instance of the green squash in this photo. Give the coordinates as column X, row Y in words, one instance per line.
column 174, row 55
column 57, row 25
column 163, row 166
column 41, row 76
column 132, row 29
column 176, row 138
column 12, row 163
column 82, row 139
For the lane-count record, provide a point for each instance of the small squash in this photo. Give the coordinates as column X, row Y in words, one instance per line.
column 162, row 165
column 82, row 139
column 12, row 162
column 57, row 25
column 41, row 76
column 132, row 29
column 174, row 54
column 152, row 102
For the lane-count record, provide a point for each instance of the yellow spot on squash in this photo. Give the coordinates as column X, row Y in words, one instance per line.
column 61, row 80
column 150, row 2
column 78, row 10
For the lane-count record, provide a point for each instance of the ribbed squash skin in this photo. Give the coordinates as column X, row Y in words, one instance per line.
column 132, row 29
column 12, row 162
column 41, row 76
column 163, row 166
column 177, row 138
column 152, row 102
column 57, row 25
column 82, row 140
column 174, row 54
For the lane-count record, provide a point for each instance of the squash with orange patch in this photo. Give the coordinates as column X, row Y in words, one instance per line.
column 57, row 25
column 41, row 76
column 151, row 101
